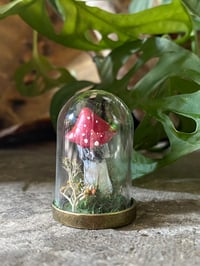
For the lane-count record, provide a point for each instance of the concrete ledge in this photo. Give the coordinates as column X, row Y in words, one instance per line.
column 166, row 230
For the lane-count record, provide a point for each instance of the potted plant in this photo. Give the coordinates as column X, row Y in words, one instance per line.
column 166, row 97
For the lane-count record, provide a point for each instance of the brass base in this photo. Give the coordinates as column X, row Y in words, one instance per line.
column 95, row 221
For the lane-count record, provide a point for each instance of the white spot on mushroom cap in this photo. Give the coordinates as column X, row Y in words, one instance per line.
column 96, row 143
column 84, row 125
column 88, row 117
column 97, row 121
column 86, row 141
column 71, row 136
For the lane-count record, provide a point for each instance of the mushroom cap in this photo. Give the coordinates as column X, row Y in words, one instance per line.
column 90, row 130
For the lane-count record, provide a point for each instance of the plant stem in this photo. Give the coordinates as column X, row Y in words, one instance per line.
column 35, row 44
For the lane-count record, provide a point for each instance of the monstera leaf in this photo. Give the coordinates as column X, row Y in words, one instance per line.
column 79, row 21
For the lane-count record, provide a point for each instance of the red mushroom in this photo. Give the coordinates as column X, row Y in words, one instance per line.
column 90, row 130
column 91, row 134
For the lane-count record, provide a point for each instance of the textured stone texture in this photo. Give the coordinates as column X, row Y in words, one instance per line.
column 166, row 231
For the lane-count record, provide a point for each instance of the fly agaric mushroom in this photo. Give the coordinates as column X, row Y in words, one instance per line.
column 91, row 134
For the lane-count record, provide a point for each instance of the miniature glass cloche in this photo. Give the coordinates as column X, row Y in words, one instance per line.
column 93, row 167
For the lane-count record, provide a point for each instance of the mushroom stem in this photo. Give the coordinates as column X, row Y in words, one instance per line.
column 96, row 174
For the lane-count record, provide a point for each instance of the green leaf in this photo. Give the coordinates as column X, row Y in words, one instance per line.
column 109, row 66
column 142, row 165
column 13, row 7
column 80, row 20
column 63, row 95
column 38, row 76
column 148, row 133
column 170, row 87
column 181, row 143
column 174, row 61
column 193, row 6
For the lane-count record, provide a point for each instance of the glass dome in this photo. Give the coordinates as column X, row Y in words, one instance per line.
column 93, row 167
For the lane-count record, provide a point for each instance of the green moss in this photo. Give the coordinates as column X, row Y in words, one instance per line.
column 98, row 203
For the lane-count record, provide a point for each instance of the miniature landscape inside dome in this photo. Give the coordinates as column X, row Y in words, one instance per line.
column 94, row 149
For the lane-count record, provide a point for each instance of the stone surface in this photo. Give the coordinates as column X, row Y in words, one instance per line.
column 165, row 232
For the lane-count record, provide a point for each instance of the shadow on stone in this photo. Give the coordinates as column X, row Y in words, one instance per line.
column 159, row 214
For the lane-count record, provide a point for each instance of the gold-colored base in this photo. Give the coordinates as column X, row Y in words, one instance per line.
column 95, row 221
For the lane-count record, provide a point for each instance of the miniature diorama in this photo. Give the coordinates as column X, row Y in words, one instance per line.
column 93, row 167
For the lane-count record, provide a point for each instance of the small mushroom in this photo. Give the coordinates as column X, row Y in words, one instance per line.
column 90, row 130
column 91, row 134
